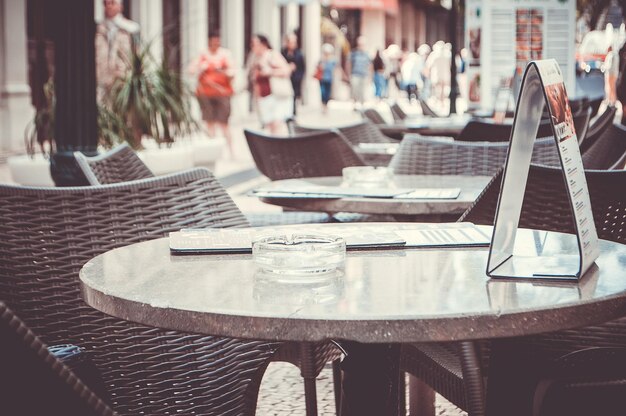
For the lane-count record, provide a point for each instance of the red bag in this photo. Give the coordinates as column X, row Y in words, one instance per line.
column 319, row 72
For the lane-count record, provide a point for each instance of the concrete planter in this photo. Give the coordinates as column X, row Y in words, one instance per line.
column 184, row 154
column 30, row 171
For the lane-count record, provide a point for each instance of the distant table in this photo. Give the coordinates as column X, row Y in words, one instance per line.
column 380, row 296
column 430, row 126
column 471, row 187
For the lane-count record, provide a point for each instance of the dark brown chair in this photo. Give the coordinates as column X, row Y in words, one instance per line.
column 49, row 233
column 486, row 131
column 595, row 105
column 398, row 113
column 120, row 164
column 596, row 128
column 290, row 353
column 362, row 132
column 35, row 382
column 321, row 153
column 427, row 110
column 608, row 151
column 452, row 369
column 374, row 116
column 419, row 155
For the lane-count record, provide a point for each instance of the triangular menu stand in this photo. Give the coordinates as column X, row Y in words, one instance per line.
column 542, row 83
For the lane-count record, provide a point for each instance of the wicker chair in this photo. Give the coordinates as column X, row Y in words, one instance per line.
column 34, row 381
column 426, row 110
column 596, row 128
column 595, row 105
column 109, row 171
column 477, row 130
column 49, row 233
column 322, row 153
column 398, row 113
column 608, row 151
column 118, row 165
column 374, row 116
column 441, row 366
column 361, row 132
column 420, row 155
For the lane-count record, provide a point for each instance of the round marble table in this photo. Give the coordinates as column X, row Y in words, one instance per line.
column 381, row 296
column 470, row 186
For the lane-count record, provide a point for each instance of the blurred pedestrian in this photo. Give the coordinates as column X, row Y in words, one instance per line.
column 620, row 84
column 380, row 79
column 411, row 75
column 611, row 70
column 215, row 71
column 325, row 73
column 423, row 52
column 359, row 68
column 271, row 78
column 115, row 38
column 293, row 55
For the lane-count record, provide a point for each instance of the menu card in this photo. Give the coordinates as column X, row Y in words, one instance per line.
column 361, row 236
column 332, row 192
column 543, row 82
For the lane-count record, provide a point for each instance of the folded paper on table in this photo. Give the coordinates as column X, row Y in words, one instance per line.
column 192, row 241
column 331, row 192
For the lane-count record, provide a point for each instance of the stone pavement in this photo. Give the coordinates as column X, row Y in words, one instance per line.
column 282, row 394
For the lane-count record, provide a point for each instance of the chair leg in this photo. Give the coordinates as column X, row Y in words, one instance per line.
column 473, row 379
column 337, row 385
column 307, row 371
column 421, row 398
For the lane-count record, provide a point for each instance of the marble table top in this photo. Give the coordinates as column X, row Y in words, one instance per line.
column 471, row 187
column 410, row 295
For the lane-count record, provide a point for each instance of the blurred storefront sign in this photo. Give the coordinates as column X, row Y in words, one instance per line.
column 390, row 6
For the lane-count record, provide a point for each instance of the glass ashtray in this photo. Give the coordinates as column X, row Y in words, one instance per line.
column 273, row 289
column 367, row 176
column 299, row 254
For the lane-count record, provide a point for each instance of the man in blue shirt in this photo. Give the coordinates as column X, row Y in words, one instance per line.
column 359, row 68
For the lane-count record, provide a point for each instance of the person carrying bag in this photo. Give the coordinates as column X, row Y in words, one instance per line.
column 272, row 86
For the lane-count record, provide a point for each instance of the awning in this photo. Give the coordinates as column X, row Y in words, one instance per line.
column 390, row 6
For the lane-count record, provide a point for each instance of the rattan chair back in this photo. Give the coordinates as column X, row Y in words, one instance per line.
column 596, row 128
column 49, row 233
column 318, row 153
column 35, row 382
column 374, row 116
column 426, row 110
column 546, row 204
column 362, row 132
column 608, row 151
column 120, row 164
column 418, row 155
column 397, row 112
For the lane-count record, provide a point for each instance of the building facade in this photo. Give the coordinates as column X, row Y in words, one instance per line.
column 178, row 32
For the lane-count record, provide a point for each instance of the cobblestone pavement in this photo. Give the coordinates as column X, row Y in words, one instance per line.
column 282, row 394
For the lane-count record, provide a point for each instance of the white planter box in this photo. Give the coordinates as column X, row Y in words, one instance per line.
column 30, row 171
column 166, row 160
column 207, row 151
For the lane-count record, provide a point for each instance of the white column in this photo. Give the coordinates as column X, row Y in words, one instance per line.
column 266, row 21
column 232, row 31
column 373, row 28
column 311, row 48
column 408, row 24
column 149, row 15
column 16, row 110
column 232, row 34
column 194, row 28
column 292, row 17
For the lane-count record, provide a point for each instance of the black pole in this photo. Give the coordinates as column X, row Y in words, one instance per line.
column 75, row 126
column 454, row 87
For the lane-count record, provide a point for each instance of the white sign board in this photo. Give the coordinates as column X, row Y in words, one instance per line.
column 542, row 83
column 503, row 36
